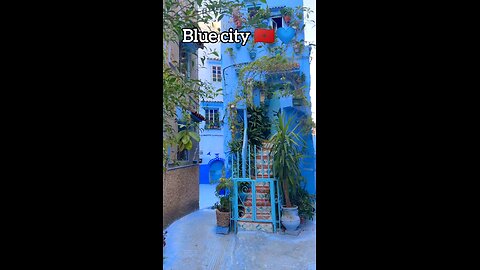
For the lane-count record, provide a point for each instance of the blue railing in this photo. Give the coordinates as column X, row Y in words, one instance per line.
column 246, row 182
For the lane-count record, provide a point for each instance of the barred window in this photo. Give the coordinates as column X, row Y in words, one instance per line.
column 216, row 73
column 212, row 119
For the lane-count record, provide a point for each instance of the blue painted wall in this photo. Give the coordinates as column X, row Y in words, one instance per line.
column 211, row 140
column 204, row 179
column 230, row 83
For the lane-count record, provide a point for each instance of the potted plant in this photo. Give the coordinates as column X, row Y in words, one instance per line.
column 304, row 202
column 223, row 192
column 287, row 13
column 298, row 47
column 286, row 153
column 252, row 51
column 295, row 24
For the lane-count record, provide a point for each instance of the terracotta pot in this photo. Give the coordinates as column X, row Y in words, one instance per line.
column 286, row 18
column 223, row 218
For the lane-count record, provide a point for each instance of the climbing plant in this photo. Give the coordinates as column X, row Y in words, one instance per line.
column 284, row 74
column 180, row 90
column 258, row 125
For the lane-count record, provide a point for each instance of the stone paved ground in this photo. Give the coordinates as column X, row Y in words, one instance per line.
column 193, row 244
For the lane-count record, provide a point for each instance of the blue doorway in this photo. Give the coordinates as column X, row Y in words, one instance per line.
column 215, row 172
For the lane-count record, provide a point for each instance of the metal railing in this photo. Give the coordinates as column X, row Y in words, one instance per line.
column 245, row 187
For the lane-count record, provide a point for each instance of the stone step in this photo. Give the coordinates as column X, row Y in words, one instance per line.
column 259, row 209
column 259, row 189
column 263, row 216
column 258, row 196
column 255, row 226
column 263, row 162
column 265, row 167
column 262, row 184
column 259, row 202
column 265, row 175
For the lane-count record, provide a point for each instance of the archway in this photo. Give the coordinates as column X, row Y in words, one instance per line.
column 216, row 168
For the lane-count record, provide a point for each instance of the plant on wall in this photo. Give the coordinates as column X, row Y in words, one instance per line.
column 178, row 89
column 258, row 18
column 238, row 18
column 252, row 50
column 230, row 52
column 298, row 47
column 258, row 125
column 287, row 13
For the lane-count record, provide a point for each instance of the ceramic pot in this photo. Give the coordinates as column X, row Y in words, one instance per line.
column 290, row 219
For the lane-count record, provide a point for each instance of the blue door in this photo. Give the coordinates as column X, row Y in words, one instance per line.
column 215, row 171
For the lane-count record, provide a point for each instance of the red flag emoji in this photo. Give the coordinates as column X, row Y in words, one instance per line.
column 264, row 35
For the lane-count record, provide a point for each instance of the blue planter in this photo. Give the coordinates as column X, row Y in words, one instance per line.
column 253, row 55
column 238, row 45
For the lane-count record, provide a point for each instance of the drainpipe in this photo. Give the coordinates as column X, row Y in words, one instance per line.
column 244, row 147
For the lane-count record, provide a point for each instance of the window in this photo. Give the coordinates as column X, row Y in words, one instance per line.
column 217, row 73
column 212, row 119
column 277, row 22
column 184, row 59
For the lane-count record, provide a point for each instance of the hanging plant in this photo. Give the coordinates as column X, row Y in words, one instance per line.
column 298, row 47
column 258, row 18
column 287, row 13
column 252, row 50
column 295, row 24
column 229, row 51
column 300, row 78
column 238, row 19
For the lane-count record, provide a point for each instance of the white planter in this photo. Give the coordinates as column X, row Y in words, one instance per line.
column 290, row 218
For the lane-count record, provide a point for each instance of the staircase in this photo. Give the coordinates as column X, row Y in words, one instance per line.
column 263, row 204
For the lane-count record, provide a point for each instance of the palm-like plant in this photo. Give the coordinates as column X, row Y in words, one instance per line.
column 286, row 145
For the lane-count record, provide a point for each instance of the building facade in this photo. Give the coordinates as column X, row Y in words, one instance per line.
column 212, row 154
column 234, row 57
column 180, row 181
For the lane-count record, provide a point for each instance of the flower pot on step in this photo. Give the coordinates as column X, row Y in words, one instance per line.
column 290, row 219
column 223, row 218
